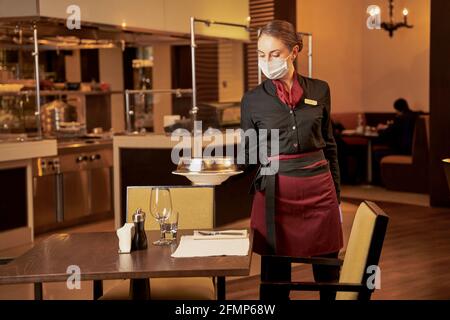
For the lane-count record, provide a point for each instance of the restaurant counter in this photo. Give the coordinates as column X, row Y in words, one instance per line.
column 16, row 188
column 145, row 160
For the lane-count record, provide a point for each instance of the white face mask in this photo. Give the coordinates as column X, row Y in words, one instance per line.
column 275, row 68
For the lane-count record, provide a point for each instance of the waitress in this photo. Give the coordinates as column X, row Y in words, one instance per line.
column 295, row 211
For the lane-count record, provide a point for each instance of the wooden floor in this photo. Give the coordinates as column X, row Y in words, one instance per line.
column 415, row 262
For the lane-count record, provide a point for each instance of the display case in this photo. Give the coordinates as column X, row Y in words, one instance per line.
column 64, row 113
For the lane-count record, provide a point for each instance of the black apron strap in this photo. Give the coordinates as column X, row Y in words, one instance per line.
column 270, row 212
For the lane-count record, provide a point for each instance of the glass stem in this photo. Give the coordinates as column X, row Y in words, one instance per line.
column 161, row 230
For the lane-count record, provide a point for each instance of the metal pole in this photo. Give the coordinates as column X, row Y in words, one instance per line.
column 257, row 59
column 193, row 20
column 229, row 24
column 127, row 110
column 259, row 76
column 151, row 91
column 194, row 84
column 38, row 88
column 310, row 57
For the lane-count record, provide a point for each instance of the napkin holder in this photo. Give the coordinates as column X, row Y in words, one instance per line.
column 125, row 235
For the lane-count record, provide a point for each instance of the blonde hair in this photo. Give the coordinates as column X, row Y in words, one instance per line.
column 284, row 31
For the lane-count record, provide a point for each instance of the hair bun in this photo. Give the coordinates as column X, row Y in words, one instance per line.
column 283, row 30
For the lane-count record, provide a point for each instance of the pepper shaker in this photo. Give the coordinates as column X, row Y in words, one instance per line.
column 140, row 239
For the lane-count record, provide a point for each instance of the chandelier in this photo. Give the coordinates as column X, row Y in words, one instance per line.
column 392, row 26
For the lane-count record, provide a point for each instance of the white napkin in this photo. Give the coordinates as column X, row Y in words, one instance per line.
column 190, row 247
column 221, row 235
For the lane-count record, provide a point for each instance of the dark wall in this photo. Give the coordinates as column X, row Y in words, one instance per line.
column 54, row 62
column 439, row 101
column 128, row 55
column 206, row 70
column 13, row 198
column 90, row 63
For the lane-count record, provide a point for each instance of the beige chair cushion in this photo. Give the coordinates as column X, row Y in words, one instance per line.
column 397, row 159
column 168, row 289
column 357, row 250
column 196, row 211
column 194, row 204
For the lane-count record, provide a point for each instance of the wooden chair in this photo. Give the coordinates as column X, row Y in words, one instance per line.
column 196, row 211
column 362, row 254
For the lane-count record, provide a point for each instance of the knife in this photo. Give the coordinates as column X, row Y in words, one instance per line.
column 215, row 233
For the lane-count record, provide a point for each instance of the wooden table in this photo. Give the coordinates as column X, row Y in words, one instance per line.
column 368, row 138
column 97, row 257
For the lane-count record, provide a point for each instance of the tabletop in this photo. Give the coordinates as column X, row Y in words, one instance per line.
column 96, row 255
column 354, row 133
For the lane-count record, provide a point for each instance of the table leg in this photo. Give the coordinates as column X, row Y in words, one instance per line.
column 369, row 161
column 140, row 289
column 97, row 289
column 221, row 288
column 38, row 295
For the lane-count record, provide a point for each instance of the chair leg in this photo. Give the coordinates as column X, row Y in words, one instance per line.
column 38, row 292
column 97, row 289
column 221, row 288
column 274, row 270
column 140, row 289
column 326, row 274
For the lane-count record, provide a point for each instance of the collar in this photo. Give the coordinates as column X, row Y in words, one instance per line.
column 272, row 90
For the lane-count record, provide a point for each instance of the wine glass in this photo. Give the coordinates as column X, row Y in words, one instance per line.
column 160, row 209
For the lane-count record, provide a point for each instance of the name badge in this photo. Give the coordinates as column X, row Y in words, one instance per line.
column 311, row 102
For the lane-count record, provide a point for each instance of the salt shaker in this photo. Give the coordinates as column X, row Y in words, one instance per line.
column 139, row 239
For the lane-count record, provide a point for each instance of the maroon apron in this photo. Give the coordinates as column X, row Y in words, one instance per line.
column 303, row 219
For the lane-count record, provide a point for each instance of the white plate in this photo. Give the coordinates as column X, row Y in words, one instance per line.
column 207, row 178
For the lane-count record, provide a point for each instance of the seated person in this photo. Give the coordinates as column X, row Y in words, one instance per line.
column 397, row 135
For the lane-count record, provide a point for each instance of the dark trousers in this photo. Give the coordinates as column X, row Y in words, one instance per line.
column 276, row 270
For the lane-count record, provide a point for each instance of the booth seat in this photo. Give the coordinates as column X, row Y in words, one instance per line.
column 409, row 173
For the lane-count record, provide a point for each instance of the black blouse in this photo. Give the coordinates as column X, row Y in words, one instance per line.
column 305, row 128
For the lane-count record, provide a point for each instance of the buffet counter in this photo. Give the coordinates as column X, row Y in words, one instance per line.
column 145, row 160
column 16, row 188
column 28, row 149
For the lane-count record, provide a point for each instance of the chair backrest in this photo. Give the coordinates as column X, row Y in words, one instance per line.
column 194, row 204
column 421, row 141
column 363, row 249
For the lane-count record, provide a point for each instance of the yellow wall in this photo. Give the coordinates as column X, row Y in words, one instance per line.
column 162, row 79
column 111, row 71
column 231, row 71
column 337, row 42
column 14, row 8
column 73, row 66
column 366, row 69
column 166, row 15
column 398, row 66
